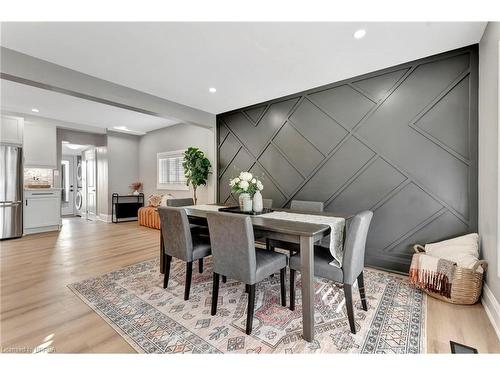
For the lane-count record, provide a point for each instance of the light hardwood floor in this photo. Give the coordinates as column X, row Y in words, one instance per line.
column 37, row 307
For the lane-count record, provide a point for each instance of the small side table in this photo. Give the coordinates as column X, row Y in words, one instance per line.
column 125, row 207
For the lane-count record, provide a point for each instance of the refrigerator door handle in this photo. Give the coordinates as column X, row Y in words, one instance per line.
column 10, row 203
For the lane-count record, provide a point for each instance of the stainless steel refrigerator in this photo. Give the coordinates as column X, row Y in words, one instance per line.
column 11, row 191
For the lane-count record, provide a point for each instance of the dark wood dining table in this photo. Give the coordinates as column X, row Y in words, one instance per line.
column 303, row 233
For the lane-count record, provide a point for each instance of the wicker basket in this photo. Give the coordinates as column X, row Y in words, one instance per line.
column 467, row 283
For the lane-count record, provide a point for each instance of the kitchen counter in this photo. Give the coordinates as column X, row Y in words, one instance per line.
column 42, row 189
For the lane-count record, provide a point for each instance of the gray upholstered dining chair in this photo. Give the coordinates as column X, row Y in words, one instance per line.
column 180, row 202
column 180, row 243
column 307, row 206
column 234, row 254
column 301, row 206
column 196, row 229
column 352, row 264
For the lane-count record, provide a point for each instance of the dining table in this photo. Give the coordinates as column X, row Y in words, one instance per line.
column 306, row 234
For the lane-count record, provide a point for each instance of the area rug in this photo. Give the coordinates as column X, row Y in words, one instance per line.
column 156, row 320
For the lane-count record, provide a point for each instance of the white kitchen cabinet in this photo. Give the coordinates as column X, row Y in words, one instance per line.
column 11, row 129
column 42, row 210
column 40, row 146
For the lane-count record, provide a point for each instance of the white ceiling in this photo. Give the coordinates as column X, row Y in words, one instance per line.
column 246, row 62
column 19, row 98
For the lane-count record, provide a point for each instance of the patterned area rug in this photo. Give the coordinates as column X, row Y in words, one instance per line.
column 154, row 320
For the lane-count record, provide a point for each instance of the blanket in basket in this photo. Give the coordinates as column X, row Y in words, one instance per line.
column 433, row 274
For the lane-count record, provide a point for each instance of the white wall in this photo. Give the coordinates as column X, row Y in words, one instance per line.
column 489, row 153
column 177, row 137
column 123, row 163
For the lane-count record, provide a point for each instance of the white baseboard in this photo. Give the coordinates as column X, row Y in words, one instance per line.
column 104, row 217
column 492, row 308
column 49, row 228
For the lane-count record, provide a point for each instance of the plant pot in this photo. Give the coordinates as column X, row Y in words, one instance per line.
column 135, row 192
column 258, row 205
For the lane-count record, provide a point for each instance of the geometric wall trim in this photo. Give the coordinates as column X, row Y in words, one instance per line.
column 401, row 142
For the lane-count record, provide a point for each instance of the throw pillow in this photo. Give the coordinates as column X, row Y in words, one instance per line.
column 154, row 200
column 462, row 250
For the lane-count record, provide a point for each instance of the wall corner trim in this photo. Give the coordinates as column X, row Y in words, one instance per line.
column 492, row 308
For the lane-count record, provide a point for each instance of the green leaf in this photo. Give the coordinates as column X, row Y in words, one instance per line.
column 196, row 167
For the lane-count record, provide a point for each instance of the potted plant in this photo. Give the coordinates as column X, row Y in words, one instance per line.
column 136, row 186
column 248, row 187
column 196, row 169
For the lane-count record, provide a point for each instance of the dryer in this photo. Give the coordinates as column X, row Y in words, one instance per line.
column 79, row 172
column 78, row 202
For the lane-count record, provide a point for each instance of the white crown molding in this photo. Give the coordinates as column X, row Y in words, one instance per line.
column 492, row 308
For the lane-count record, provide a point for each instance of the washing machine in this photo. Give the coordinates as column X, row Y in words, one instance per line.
column 78, row 195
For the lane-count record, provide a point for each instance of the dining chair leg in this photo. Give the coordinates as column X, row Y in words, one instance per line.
column 292, row 289
column 215, row 293
column 200, row 265
column 348, row 305
column 361, row 287
column 162, row 254
column 224, row 279
column 166, row 271
column 283, row 286
column 268, row 245
column 251, row 306
column 189, row 275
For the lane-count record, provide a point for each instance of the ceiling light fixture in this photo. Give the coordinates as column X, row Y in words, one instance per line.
column 359, row 34
column 75, row 147
column 123, row 128
column 36, row 110
column 212, row 89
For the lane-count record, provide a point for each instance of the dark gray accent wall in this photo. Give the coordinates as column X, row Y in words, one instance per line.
column 401, row 142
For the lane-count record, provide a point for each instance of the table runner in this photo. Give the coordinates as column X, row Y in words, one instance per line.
column 205, row 207
column 334, row 241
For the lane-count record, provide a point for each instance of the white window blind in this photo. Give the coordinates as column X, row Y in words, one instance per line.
column 170, row 171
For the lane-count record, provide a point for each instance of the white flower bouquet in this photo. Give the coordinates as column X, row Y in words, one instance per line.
column 245, row 183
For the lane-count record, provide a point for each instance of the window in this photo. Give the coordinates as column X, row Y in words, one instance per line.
column 170, row 173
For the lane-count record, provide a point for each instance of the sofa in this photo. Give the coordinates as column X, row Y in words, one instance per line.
column 149, row 217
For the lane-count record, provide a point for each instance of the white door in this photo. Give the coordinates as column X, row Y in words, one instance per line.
column 91, row 183
column 68, row 185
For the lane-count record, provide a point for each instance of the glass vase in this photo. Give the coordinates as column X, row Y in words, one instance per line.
column 245, row 202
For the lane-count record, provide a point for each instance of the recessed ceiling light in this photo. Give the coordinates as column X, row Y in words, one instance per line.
column 75, row 147
column 36, row 110
column 212, row 89
column 359, row 34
